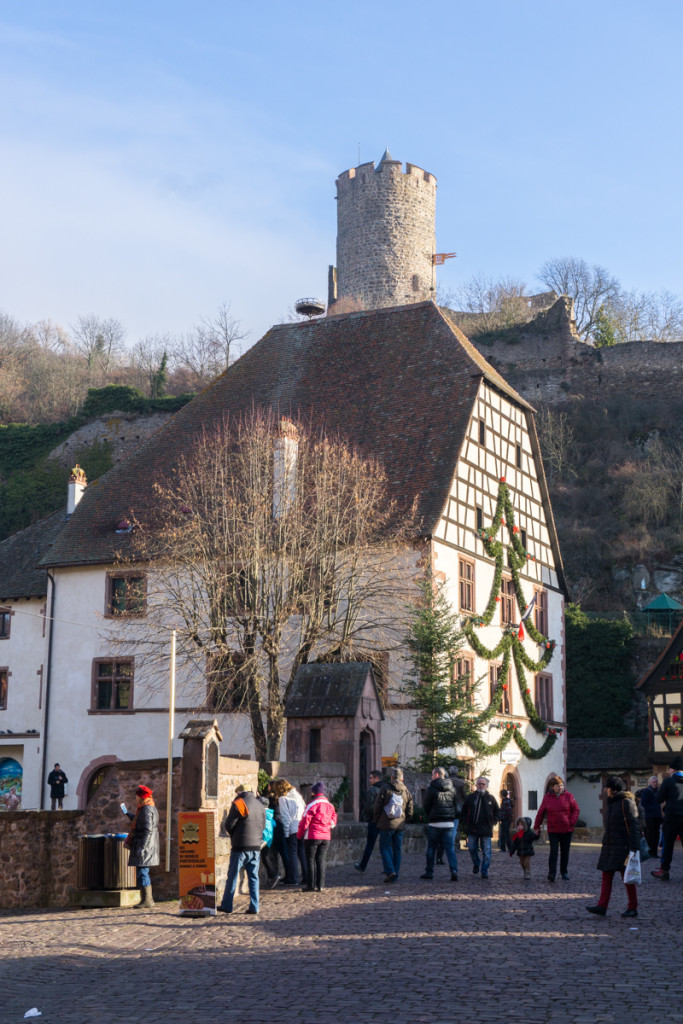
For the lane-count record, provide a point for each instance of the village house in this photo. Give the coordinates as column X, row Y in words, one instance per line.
column 402, row 385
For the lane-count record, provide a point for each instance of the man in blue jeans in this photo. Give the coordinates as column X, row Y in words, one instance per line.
column 244, row 824
column 441, row 808
column 393, row 805
column 480, row 814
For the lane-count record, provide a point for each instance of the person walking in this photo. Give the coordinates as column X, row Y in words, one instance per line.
column 505, row 815
column 653, row 814
column 562, row 812
column 671, row 795
column 367, row 814
column 315, row 828
column 440, row 806
column 622, row 836
column 291, row 807
column 56, row 780
column 523, row 845
column 143, row 841
column 480, row 814
column 244, row 824
column 393, row 805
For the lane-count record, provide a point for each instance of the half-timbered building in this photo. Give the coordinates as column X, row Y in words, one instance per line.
column 663, row 688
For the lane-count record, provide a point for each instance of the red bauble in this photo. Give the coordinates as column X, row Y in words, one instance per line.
column 502, row 479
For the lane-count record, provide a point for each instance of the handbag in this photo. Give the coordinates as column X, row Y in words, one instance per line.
column 128, row 842
column 632, row 872
column 644, row 849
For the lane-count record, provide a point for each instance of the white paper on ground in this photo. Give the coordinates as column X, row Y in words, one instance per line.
column 33, row 1012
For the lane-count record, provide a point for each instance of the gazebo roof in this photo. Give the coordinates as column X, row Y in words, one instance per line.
column 662, row 603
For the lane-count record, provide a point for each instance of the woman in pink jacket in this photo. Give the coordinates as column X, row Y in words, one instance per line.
column 562, row 812
column 315, row 827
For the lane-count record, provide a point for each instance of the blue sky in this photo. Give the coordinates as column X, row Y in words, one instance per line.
column 161, row 158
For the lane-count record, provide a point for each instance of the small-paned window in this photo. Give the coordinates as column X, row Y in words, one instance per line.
column 5, row 623
column 466, row 585
column 541, row 612
column 112, row 688
column 126, row 594
column 507, row 602
column 482, row 432
column 544, row 696
column 494, row 679
column 463, row 679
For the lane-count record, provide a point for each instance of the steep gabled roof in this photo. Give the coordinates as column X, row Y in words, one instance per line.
column 399, row 384
column 21, row 574
column 333, row 690
column 655, row 680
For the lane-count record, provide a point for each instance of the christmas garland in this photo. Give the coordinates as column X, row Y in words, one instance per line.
column 517, row 558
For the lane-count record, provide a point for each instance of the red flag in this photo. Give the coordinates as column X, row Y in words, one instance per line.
column 520, row 632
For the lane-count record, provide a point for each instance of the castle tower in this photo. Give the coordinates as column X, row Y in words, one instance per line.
column 385, row 236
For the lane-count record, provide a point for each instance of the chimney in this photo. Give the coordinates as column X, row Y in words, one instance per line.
column 77, row 486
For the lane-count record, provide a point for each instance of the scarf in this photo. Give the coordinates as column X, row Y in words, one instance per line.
column 147, row 802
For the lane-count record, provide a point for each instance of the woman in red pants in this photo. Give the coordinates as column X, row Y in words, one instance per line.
column 622, row 836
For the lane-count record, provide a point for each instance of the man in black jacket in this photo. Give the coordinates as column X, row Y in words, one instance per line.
column 441, row 808
column 480, row 814
column 671, row 795
column 56, row 780
column 244, row 824
column 368, row 810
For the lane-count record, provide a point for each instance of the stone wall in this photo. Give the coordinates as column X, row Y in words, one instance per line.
column 124, row 431
column 385, row 234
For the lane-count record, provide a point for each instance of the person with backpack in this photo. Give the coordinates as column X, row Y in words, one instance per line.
column 442, row 810
column 671, row 795
column 244, row 824
column 392, row 806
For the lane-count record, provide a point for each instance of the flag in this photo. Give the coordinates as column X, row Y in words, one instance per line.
column 439, row 258
column 526, row 615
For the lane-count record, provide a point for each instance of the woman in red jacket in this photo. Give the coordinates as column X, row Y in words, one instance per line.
column 315, row 829
column 562, row 812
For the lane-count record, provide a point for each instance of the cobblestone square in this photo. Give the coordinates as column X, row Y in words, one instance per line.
column 439, row 952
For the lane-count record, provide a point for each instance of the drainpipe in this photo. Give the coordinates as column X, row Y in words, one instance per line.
column 48, row 674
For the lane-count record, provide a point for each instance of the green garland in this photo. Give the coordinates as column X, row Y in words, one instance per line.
column 509, row 642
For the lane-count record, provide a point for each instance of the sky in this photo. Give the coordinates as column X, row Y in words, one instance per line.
column 160, row 159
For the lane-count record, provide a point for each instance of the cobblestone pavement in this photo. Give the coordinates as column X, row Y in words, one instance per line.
column 488, row 950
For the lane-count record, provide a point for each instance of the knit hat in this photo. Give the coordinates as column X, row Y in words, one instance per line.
column 318, row 789
column 143, row 791
column 676, row 763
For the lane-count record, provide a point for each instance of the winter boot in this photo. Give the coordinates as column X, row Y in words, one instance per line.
column 147, row 900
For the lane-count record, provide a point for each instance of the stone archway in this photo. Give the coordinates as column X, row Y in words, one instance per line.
column 87, row 776
column 511, row 780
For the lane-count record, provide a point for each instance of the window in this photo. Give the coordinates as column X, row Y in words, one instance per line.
column 544, row 696
column 463, row 679
column 522, row 536
column 226, row 679
column 466, row 585
column 4, row 677
column 507, row 602
column 112, row 688
column 518, row 456
column 494, row 679
column 480, row 517
column 541, row 612
column 533, row 799
column 482, row 432
column 5, row 622
column 314, row 745
column 126, row 594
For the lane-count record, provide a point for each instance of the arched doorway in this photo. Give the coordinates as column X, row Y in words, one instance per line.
column 512, row 782
column 366, row 762
column 11, row 775
column 92, row 778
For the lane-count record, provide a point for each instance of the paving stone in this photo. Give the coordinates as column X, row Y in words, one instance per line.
column 493, row 953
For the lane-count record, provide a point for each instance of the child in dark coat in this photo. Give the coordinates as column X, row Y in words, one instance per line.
column 523, row 844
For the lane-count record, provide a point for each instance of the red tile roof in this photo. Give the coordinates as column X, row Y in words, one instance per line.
column 398, row 383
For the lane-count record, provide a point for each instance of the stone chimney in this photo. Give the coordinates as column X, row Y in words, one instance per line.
column 76, row 489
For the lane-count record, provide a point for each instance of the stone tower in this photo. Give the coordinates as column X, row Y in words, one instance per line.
column 385, row 236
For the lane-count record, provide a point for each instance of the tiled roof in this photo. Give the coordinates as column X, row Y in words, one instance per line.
column 21, row 554
column 323, row 690
column 652, row 680
column 616, row 755
column 399, row 384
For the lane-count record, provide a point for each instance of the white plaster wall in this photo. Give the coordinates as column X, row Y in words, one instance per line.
column 588, row 796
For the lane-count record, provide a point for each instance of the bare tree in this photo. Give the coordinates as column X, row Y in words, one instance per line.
column 223, row 332
column 557, row 441
column 487, row 305
column 99, row 340
column 209, row 348
column 591, row 288
column 645, row 316
column 149, row 357
column 271, row 546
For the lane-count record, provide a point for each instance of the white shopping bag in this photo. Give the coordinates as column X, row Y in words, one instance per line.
column 632, row 875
